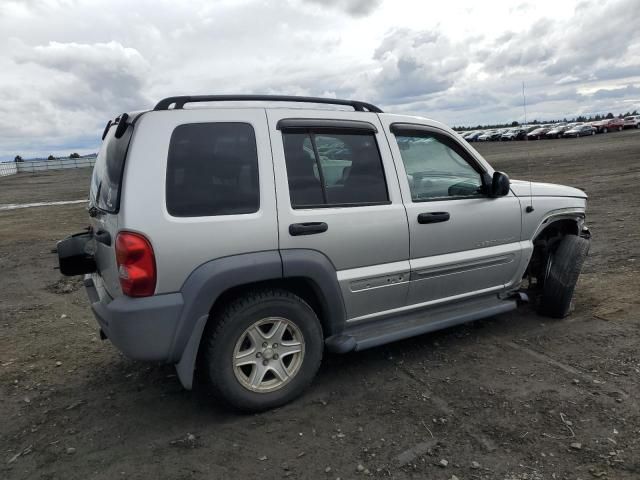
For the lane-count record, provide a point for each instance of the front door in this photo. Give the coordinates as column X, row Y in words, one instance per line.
column 463, row 243
column 338, row 194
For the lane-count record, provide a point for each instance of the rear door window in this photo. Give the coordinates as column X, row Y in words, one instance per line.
column 334, row 169
column 212, row 169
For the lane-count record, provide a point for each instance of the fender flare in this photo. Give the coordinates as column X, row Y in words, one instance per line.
column 316, row 267
column 205, row 285
column 575, row 215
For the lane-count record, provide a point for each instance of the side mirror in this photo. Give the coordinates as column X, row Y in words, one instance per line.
column 499, row 184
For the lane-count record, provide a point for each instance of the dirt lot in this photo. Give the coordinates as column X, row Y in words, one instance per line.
column 514, row 397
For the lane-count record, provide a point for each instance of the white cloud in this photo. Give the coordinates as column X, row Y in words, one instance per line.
column 356, row 8
column 69, row 65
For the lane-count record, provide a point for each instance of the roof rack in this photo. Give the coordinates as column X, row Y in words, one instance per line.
column 180, row 101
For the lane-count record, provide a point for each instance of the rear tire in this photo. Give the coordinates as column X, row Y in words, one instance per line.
column 244, row 373
column 605, row 130
column 562, row 272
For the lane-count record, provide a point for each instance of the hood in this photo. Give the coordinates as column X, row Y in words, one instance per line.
column 521, row 188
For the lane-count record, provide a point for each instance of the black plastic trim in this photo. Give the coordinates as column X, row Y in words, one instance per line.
column 211, row 279
column 343, row 205
column 441, row 199
column 316, row 267
column 180, row 101
column 106, row 129
column 207, row 282
column 325, row 124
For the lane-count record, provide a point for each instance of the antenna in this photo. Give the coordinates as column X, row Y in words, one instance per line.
column 529, row 208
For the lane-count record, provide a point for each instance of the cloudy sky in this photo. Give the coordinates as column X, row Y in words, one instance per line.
column 67, row 66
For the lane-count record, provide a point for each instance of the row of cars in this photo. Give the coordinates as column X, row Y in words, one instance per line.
column 554, row 130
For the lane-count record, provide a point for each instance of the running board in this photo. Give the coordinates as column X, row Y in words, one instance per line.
column 372, row 333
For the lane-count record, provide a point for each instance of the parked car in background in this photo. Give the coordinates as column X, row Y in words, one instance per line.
column 557, row 131
column 498, row 134
column 580, row 131
column 486, row 136
column 538, row 133
column 609, row 125
column 632, row 122
column 514, row 134
column 473, row 136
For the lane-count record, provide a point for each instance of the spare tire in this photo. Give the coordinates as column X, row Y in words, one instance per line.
column 562, row 272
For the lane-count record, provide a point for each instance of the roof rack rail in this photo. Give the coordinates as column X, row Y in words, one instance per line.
column 180, row 101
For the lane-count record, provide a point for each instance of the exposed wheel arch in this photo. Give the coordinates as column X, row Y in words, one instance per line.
column 546, row 239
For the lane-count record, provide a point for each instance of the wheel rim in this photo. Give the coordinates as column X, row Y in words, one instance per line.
column 268, row 354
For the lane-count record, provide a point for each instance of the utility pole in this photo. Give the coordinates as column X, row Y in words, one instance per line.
column 524, row 104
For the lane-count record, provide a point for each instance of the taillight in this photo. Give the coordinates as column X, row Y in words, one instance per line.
column 136, row 264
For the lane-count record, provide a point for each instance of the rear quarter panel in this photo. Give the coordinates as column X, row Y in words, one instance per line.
column 181, row 244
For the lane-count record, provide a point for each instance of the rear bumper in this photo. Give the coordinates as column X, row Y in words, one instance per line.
column 141, row 328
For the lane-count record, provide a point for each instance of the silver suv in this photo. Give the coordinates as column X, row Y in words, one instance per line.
column 241, row 238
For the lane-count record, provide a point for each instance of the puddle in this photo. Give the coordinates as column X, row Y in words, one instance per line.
column 16, row 206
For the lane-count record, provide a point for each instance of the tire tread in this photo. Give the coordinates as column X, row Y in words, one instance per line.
column 221, row 323
column 563, row 276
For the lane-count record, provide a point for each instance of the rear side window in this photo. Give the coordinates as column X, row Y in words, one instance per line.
column 334, row 169
column 212, row 169
column 107, row 172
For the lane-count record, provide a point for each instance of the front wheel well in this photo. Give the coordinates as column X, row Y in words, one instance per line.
column 545, row 243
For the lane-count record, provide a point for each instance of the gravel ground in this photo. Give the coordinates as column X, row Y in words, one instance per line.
column 516, row 396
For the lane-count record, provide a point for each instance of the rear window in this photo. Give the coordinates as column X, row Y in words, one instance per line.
column 107, row 172
column 212, row 169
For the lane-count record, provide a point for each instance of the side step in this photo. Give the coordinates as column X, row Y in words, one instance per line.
column 363, row 335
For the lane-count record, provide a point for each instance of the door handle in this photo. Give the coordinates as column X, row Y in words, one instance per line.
column 308, row 228
column 433, row 217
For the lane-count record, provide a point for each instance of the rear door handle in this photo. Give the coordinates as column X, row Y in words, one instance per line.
column 308, row 228
column 433, row 217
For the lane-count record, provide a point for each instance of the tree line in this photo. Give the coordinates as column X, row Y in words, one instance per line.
column 19, row 159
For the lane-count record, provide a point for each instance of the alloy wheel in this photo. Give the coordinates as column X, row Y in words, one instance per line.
column 268, row 354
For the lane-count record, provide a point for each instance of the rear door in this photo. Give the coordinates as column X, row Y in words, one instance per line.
column 338, row 193
column 463, row 243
